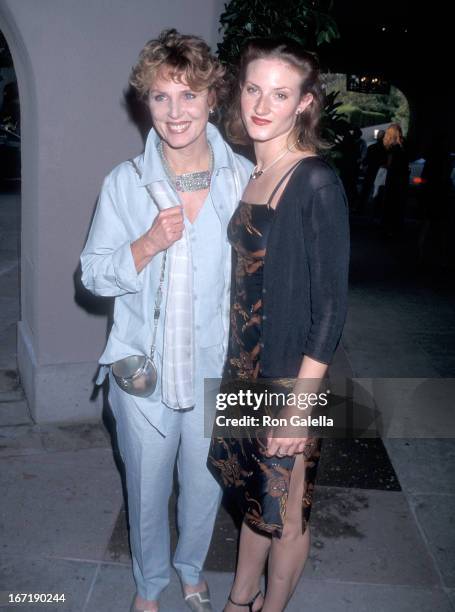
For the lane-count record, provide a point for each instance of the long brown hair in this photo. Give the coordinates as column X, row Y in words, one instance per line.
column 307, row 128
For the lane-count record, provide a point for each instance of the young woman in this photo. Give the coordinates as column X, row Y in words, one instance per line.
column 180, row 204
column 290, row 239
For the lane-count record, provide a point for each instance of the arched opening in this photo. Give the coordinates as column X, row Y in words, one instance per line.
column 23, row 323
column 369, row 111
column 10, row 231
column 368, row 105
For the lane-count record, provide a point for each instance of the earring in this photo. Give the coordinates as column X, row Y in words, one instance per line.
column 211, row 111
column 298, row 111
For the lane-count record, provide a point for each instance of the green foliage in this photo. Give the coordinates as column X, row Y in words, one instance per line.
column 361, row 118
column 369, row 109
column 333, row 123
column 306, row 21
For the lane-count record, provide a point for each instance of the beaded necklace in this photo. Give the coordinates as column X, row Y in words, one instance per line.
column 189, row 181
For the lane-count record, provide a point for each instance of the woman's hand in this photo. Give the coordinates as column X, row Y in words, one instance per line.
column 285, row 446
column 166, row 229
column 278, row 441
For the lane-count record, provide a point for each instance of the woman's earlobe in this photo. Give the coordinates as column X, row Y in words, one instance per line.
column 306, row 102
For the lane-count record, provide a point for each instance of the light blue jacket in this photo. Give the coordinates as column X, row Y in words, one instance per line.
column 125, row 212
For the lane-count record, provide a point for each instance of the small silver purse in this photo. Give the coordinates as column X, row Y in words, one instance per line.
column 137, row 374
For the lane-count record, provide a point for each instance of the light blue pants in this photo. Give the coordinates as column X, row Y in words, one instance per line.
column 149, row 460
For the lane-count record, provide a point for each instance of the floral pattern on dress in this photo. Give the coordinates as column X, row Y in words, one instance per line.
column 260, row 484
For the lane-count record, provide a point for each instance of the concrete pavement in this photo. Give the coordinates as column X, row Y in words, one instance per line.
column 383, row 536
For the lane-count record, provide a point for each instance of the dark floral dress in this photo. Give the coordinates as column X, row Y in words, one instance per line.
column 258, row 484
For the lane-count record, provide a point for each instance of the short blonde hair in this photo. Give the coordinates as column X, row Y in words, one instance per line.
column 182, row 58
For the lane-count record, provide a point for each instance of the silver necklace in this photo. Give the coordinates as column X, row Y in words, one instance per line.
column 257, row 173
column 189, row 181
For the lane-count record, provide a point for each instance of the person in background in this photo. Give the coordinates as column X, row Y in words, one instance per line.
column 396, row 182
column 361, row 148
column 374, row 159
column 348, row 165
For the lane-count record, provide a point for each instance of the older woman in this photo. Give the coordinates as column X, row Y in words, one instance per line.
column 178, row 200
column 290, row 238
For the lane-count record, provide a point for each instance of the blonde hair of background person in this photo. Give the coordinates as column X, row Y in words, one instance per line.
column 393, row 136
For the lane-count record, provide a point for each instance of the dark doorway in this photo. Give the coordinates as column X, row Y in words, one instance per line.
column 12, row 403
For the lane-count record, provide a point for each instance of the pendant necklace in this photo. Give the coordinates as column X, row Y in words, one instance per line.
column 257, row 173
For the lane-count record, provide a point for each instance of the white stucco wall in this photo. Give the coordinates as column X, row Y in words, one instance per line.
column 73, row 60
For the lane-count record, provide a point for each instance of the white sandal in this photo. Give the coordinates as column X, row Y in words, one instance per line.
column 199, row 602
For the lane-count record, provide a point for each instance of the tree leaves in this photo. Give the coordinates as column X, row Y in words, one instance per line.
column 307, row 21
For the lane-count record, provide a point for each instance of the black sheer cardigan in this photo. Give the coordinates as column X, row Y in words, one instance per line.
column 306, row 267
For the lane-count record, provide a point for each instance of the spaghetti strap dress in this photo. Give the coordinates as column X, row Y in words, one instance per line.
column 257, row 484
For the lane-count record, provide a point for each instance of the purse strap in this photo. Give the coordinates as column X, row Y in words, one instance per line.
column 159, row 291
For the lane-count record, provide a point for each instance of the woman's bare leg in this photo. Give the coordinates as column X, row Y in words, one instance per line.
column 289, row 553
column 146, row 604
column 253, row 551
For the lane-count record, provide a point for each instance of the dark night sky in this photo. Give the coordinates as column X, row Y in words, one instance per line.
column 413, row 40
